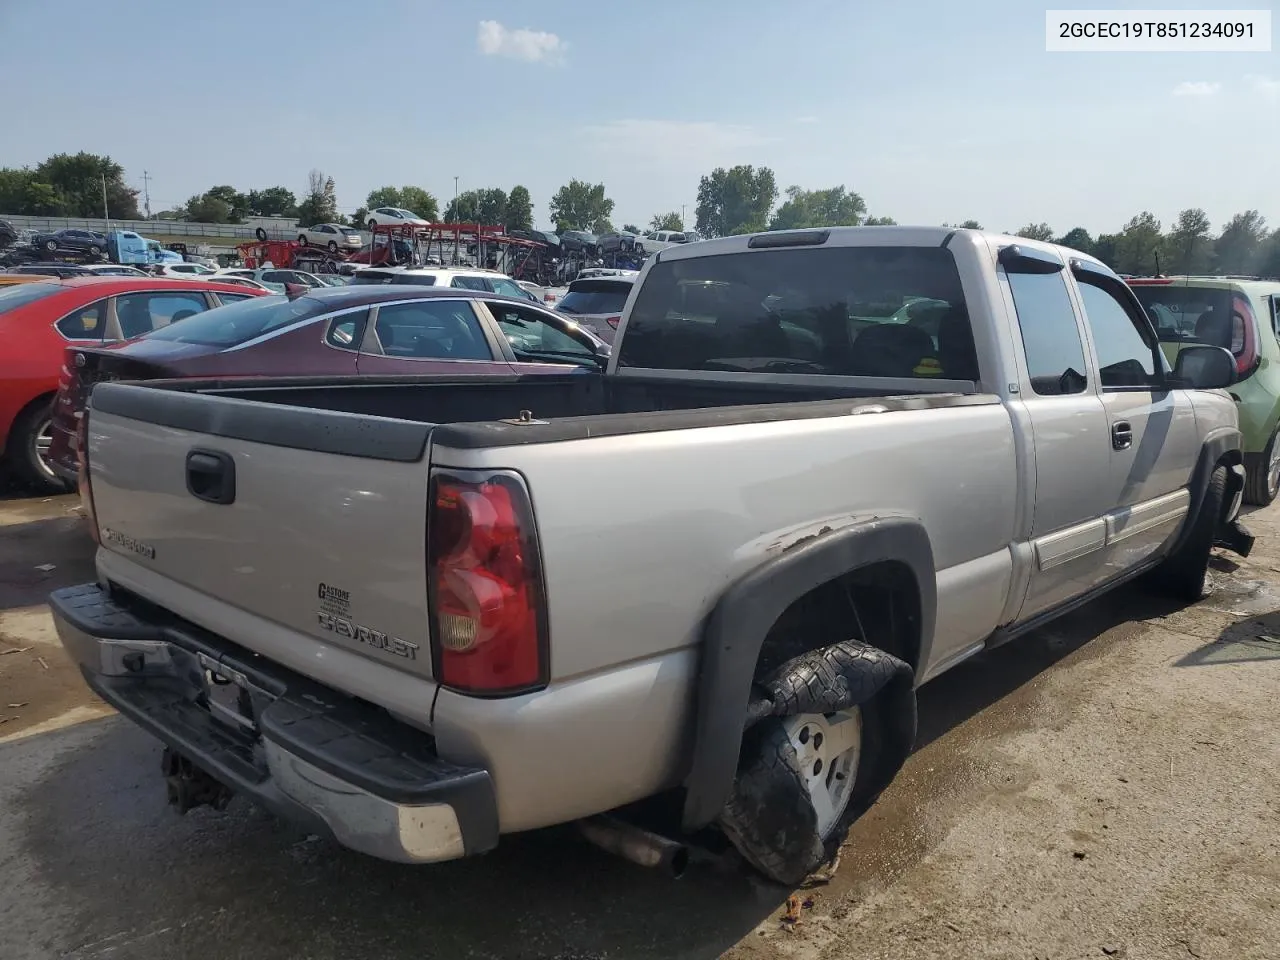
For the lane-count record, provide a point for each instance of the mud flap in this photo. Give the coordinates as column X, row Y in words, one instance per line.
column 769, row 816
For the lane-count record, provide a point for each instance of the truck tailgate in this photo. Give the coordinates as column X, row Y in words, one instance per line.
column 301, row 542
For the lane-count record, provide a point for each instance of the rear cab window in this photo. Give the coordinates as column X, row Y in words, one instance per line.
column 837, row 311
column 595, row 297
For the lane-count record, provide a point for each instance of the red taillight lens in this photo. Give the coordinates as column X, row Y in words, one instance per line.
column 613, row 321
column 484, row 582
column 1244, row 341
column 83, row 484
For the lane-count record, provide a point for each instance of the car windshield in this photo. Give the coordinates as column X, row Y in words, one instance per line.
column 1183, row 313
column 21, row 294
column 595, row 296
column 237, row 322
column 831, row 311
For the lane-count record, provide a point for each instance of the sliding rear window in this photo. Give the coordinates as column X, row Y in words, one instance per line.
column 885, row 312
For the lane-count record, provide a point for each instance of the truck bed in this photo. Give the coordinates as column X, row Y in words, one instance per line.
column 494, row 411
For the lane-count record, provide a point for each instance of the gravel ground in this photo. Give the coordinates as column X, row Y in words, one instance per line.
column 1104, row 787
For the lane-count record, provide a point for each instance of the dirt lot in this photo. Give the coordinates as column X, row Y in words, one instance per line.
column 1105, row 787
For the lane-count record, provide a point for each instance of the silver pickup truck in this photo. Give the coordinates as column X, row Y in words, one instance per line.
column 822, row 468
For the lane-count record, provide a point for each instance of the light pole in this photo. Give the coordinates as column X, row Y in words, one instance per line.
column 456, row 212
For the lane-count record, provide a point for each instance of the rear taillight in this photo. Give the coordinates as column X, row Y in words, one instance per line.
column 613, row 321
column 83, row 484
column 484, row 582
column 1244, row 340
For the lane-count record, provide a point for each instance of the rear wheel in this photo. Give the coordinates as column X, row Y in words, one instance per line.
column 93, row 250
column 333, row 246
column 302, row 239
column 1263, row 477
column 27, row 454
column 371, row 224
column 51, row 245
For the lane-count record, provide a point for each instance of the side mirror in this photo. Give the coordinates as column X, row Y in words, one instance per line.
column 1203, row 367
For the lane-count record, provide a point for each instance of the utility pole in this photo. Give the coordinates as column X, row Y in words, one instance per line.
column 146, row 194
column 456, row 217
column 106, row 215
column 682, row 223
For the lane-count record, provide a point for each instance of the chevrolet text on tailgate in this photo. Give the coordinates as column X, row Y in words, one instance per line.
column 838, row 462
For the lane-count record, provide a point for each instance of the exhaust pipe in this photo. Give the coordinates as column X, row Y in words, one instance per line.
column 639, row 846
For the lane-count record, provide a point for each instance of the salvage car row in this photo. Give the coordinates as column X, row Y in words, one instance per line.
column 788, row 562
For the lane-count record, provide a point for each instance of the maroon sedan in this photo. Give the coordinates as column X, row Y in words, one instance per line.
column 386, row 330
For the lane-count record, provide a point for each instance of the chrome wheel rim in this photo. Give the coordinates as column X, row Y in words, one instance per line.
column 41, row 442
column 828, row 747
column 1273, row 467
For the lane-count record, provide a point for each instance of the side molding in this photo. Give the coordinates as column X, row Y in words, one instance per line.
column 743, row 617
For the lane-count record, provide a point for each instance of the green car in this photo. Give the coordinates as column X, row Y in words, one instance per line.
column 1243, row 316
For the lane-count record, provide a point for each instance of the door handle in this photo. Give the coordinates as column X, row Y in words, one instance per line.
column 211, row 476
column 1122, row 435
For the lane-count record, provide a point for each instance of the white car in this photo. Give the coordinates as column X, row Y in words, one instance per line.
column 394, row 216
column 274, row 278
column 488, row 281
column 331, row 236
column 114, row 270
column 224, row 276
column 184, row 271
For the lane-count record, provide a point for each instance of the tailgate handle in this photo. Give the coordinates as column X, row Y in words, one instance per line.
column 211, row 476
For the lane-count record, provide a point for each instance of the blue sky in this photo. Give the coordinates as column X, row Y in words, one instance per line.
column 933, row 110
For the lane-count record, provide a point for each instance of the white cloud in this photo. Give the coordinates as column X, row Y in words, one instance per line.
column 1196, row 88
column 1267, row 86
column 532, row 46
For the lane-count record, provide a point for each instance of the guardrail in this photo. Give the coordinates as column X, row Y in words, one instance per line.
column 168, row 228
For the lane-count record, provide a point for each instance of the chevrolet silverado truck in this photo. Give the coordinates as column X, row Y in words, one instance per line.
column 389, row 609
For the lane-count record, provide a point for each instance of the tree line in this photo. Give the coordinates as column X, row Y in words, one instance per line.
column 736, row 200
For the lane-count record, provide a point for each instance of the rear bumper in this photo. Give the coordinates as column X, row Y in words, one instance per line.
column 334, row 764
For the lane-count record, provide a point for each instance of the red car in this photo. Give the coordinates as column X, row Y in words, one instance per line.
column 336, row 331
column 37, row 322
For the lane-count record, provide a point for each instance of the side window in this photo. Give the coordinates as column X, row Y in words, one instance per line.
column 233, row 297
column 1125, row 358
column 508, row 288
column 432, row 330
column 141, row 313
column 470, row 283
column 530, row 334
column 1050, row 336
column 86, row 323
column 1275, row 313
column 346, row 331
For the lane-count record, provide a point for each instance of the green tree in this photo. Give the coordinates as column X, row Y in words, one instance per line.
column 206, row 208
column 630, row 228
column 579, row 205
column 666, row 221
column 737, row 200
column 415, row 199
column 1139, row 245
column 601, row 225
column 23, row 193
column 1036, row 231
column 879, row 222
column 519, row 213
column 1239, row 249
column 1269, row 264
column 1188, row 247
column 1104, row 248
column 833, row 207
column 237, row 202
column 486, row 206
column 321, row 202
column 360, row 217
column 78, row 179
column 1077, row 238
column 272, row 202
